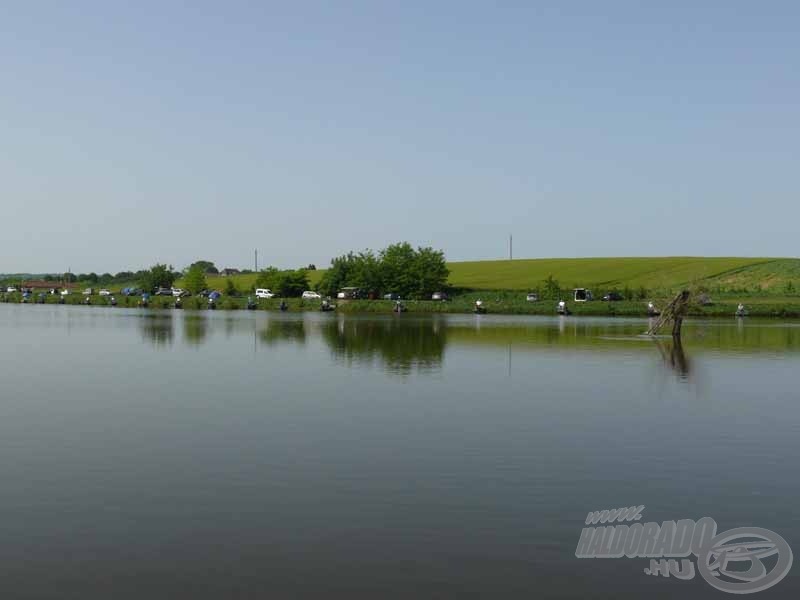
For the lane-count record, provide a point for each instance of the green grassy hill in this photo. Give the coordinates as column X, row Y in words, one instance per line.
column 651, row 273
column 601, row 274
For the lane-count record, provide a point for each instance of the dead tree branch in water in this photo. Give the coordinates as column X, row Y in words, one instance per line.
column 674, row 313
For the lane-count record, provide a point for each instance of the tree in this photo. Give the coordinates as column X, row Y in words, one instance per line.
column 552, row 289
column 292, row 284
column 69, row 277
column 366, row 273
column 158, row 276
column 430, row 271
column 230, row 288
column 287, row 284
column 208, row 267
column 338, row 275
column 195, row 280
column 267, row 278
column 399, row 267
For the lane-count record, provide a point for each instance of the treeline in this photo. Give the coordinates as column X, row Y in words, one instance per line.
column 397, row 269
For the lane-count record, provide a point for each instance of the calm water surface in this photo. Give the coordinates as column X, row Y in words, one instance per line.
column 241, row 455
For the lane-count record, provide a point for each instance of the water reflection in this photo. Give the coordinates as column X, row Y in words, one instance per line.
column 674, row 356
column 398, row 345
column 283, row 330
column 195, row 328
column 157, row 328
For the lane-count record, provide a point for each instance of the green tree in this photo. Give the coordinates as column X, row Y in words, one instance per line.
column 291, row 284
column 552, row 289
column 366, row 273
column 337, row 275
column 230, row 288
column 195, row 280
column 207, row 266
column 430, row 271
column 158, row 276
column 399, row 266
column 268, row 278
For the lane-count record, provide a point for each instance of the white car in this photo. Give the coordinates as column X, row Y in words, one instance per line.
column 309, row 295
column 264, row 293
column 11, row 289
column 105, row 292
column 65, row 292
column 177, row 292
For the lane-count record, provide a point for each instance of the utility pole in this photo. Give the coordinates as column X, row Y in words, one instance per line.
column 510, row 247
column 256, row 264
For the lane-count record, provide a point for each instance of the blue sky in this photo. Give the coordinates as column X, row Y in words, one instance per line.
column 165, row 131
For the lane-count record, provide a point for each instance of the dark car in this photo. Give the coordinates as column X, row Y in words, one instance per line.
column 612, row 297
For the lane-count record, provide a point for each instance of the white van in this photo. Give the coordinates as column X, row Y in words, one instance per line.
column 264, row 293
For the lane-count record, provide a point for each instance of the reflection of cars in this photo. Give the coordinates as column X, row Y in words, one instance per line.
column 105, row 292
column 309, row 295
column 532, row 297
column 391, row 296
column 439, row 296
column 612, row 297
column 264, row 293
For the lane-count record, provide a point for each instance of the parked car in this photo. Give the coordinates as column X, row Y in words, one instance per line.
column 105, row 292
column 439, row 296
column 391, row 296
column 310, row 295
column 532, row 297
column 214, row 295
column 264, row 293
column 582, row 295
column 612, row 297
column 11, row 289
column 65, row 292
column 180, row 293
column 164, row 292
column 349, row 293
column 88, row 291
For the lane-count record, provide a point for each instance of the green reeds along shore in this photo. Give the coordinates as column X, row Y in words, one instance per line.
column 501, row 303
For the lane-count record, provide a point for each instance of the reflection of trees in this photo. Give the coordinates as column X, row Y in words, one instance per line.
column 283, row 330
column 195, row 328
column 158, row 328
column 401, row 345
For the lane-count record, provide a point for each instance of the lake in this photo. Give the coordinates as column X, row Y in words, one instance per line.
column 170, row 454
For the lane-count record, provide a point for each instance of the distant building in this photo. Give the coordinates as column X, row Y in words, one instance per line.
column 229, row 271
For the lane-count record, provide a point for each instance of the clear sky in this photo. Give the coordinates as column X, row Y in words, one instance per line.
column 163, row 131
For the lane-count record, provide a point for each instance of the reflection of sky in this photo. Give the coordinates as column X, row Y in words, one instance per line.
column 283, row 450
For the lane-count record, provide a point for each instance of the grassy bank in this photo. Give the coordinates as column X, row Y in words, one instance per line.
column 505, row 303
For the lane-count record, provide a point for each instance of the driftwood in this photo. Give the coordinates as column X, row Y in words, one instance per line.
column 673, row 312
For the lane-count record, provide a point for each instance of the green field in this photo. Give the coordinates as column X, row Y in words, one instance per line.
column 600, row 274
column 747, row 275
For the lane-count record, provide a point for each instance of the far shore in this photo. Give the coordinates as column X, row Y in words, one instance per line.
column 787, row 307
